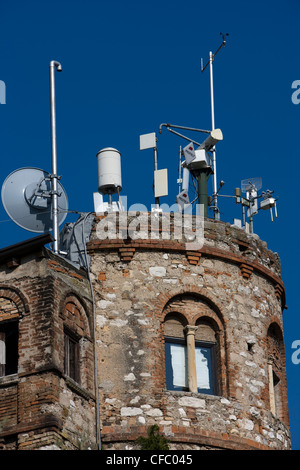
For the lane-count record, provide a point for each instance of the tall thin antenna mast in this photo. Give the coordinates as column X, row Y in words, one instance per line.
column 54, row 64
column 210, row 62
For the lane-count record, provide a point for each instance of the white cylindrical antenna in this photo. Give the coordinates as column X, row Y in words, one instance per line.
column 109, row 171
column 185, row 179
column 54, row 64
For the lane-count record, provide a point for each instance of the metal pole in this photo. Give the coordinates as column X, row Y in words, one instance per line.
column 179, row 170
column 202, row 178
column 215, row 198
column 155, row 168
column 244, row 215
column 54, row 64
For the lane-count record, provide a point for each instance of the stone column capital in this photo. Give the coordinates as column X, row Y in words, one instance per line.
column 190, row 330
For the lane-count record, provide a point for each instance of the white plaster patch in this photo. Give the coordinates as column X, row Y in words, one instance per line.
column 129, row 312
column 143, row 322
column 146, row 407
column 101, row 320
column 155, row 412
column 135, row 400
column 255, row 313
column 246, row 424
column 128, row 411
column 192, row 401
column 224, row 401
column 251, row 364
column 110, row 296
column 157, row 271
column 170, row 281
column 130, row 377
column 119, row 322
column 102, row 304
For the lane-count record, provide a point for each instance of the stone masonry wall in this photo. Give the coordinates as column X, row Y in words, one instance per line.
column 134, row 282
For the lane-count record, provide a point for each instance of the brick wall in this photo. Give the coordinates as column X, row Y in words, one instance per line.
column 40, row 406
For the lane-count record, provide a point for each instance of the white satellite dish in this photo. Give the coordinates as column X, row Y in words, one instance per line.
column 27, row 199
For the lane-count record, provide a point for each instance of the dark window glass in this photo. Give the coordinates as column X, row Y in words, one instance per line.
column 176, row 364
column 206, row 367
column 71, row 357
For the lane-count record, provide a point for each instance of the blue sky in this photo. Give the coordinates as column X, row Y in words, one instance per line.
column 130, row 66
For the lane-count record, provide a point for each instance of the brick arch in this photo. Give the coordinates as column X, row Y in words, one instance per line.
column 175, row 313
column 75, row 314
column 17, row 297
column 164, row 303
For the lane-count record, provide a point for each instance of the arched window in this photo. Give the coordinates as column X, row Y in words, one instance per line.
column 77, row 341
column 191, row 354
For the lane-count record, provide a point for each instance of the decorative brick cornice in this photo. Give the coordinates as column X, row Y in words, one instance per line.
column 126, row 254
column 279, row 290
column 246, row 270
column 193, row 257
column 127, row 248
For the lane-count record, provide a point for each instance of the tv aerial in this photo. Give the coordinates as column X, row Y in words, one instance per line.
column 33, row 198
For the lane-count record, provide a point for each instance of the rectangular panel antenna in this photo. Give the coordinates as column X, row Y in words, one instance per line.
column 160, row 183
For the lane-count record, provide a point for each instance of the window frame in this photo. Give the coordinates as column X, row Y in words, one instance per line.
column 213, row 371
column 72, row 356
column 172, row 340
column 9, row 334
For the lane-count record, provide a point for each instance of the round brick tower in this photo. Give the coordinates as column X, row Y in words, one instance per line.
column 188, row 338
